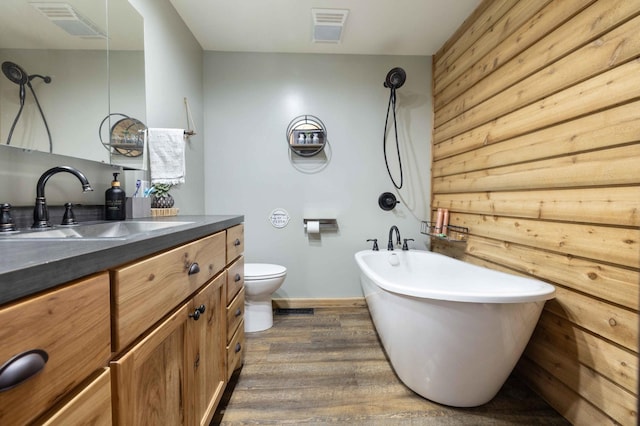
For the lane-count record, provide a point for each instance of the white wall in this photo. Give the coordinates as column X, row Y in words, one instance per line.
column 250, row 99
column 73, row 103
column 173, row 68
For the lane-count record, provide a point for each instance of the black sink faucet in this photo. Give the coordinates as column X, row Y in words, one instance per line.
column 41, row 212
column 390, row 245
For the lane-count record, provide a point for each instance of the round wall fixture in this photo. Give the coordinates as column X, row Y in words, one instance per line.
column 279, row 218
column 387, row 201
column 126, row 136
column 306, row 135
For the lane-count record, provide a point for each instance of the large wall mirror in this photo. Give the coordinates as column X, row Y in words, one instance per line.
column 68, row 64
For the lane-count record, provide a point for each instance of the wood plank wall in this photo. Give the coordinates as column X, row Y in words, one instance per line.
column 536, row 149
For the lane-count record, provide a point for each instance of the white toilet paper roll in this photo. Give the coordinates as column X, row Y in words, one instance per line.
column 313, row 227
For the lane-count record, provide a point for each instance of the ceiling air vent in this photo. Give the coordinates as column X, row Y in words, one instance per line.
column 69, row 19
column 328, row 25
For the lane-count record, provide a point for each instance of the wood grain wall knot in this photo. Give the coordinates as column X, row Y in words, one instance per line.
column 151, row 277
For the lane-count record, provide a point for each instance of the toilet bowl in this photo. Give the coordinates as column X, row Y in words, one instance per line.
column 260, row 281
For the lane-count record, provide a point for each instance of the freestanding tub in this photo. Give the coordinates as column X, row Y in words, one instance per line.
column 453, row 331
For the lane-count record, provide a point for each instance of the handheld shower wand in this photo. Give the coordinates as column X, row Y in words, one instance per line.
column 394, row 80
column 19, row 76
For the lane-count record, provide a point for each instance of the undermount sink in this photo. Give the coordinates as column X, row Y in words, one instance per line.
column 95, row 231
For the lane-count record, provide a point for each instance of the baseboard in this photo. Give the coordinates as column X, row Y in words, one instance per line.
column 349, row 302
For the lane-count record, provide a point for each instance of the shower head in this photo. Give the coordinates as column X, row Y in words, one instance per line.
column 18, row 75
column 15, row 73
column 395, row 78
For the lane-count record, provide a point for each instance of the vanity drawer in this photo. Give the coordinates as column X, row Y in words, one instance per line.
column 235, row 278
column 235, row 314
column 145, row 291
column 235, row 350
column 70, row 324
column 235, row 242
column 91, row 406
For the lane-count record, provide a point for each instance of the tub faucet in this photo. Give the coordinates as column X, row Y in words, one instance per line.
column 41, row 211
column 390, row 245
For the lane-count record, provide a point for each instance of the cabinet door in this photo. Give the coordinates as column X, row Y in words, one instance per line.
column 207, row 349
column 150, row 384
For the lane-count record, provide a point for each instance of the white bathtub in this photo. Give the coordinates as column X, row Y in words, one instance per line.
column 453, row 331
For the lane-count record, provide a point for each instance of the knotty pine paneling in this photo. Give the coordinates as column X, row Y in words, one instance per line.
column 536, row 149
column 517, row 16
column 558, row 42
column 616, row 126
column 569, row 205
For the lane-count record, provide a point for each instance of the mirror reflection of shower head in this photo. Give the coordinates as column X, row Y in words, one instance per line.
column 19, row 76
column 15, row 73
column 395, row 78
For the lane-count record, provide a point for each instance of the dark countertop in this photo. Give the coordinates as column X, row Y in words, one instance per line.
column 31, row 266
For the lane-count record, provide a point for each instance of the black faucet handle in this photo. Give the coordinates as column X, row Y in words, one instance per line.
column 6, row 221
column 69, row 217
column 405, row 246
column 375, row 244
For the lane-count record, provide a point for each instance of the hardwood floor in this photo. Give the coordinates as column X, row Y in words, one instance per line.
column 330, row 368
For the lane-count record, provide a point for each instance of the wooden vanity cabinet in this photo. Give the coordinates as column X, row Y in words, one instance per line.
column 177, row 371
column 175, row 374
column 146, row 343
column 71, row 325
column 235, row 299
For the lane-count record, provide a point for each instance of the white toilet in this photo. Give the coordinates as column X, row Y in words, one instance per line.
column 260, row 281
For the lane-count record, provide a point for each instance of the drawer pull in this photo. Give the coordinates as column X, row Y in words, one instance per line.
column 194, row 268
column 237, row 278
column 22, row 367
column 238, row 312
column 238, row 347
column 236, row 242
column 196, row 313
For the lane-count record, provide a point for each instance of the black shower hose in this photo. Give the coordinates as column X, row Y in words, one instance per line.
column 15, row 121
column 392, row 102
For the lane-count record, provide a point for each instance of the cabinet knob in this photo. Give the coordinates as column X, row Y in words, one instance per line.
column 22, row 367
column 236, row 242
column 194, row 268
column 197, row 312
column 237, row 278
column 238, row 312
column 238, row 347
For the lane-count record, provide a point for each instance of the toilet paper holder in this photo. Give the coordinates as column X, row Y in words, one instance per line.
column 325, row 224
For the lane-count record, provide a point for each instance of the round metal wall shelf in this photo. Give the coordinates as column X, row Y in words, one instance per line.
column 306, row 135
column 126, row 136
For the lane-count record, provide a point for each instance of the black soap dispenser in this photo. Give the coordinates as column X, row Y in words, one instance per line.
column 114, row 200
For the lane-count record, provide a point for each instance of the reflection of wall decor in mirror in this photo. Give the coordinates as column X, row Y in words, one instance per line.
column 126, row 136
column 88, row 71
column 306, row 135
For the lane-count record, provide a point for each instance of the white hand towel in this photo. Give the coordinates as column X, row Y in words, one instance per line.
column 166, row 155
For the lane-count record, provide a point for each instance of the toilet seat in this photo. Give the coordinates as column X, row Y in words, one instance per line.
column 263, row 271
